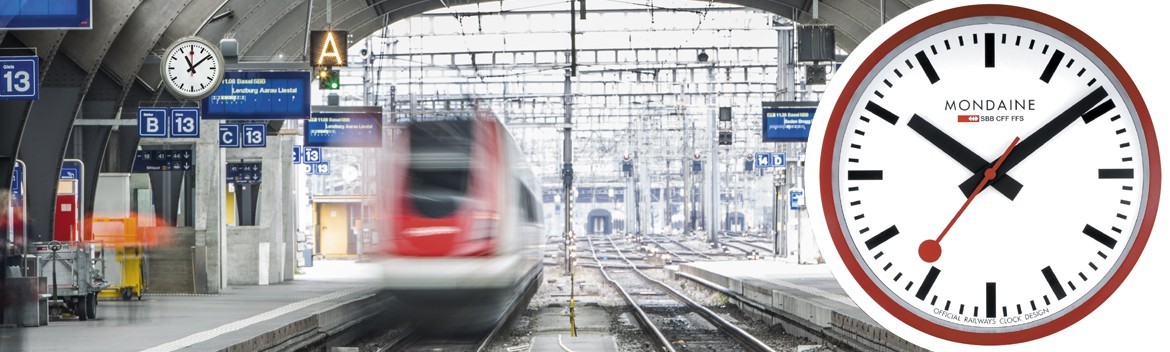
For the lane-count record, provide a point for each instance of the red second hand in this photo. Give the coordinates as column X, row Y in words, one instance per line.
column 931, row 250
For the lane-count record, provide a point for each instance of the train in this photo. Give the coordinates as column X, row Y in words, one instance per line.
column 463, row 240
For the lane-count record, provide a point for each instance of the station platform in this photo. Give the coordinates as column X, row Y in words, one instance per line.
column 803, row 295
column 327, row 298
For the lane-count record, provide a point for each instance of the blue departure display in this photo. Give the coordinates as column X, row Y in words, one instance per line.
column 259, row 95
column 46, row 14
column 356, row 129
column 787, row 123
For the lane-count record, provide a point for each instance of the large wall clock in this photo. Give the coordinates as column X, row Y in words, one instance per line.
column 988, row 175
column 192, row 68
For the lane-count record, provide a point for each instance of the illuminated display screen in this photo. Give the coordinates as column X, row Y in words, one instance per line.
column 46, row 14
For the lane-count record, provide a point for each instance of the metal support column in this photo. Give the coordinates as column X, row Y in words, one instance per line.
column 567, row 171
column 713, row 158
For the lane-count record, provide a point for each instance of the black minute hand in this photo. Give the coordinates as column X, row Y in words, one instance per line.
column 1009, row 187
column 1084, row 107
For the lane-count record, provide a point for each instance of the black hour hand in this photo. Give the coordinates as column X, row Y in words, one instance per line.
column 1006, row 185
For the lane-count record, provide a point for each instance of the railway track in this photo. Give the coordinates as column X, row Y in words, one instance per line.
column 673, row 321
column 681, row 251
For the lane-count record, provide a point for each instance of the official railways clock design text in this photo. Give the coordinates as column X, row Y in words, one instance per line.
column 970, row 231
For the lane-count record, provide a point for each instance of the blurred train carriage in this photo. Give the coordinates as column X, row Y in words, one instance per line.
column 463, row 232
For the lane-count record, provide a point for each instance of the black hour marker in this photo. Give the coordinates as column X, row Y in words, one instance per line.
column 1099, row 110
column 927, row 283
column 1050, row 277
column 927, row 67
column 1051, row 68
column 990, row 300
column 989, row 50
column 1115, row 173
column 881, row 112
column 1099, row 236
column 881, row 237
column 865, row 175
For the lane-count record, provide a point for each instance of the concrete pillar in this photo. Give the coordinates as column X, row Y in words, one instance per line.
column 244, row 242
column 209, row 226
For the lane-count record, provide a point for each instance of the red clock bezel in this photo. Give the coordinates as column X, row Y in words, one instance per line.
column 829, row 150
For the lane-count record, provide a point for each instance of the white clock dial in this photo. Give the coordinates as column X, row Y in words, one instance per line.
column 1053, row 231
column 192, row 68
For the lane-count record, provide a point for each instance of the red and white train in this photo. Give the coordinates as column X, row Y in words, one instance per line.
column 463, row 241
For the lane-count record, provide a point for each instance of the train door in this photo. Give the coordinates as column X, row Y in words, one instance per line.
column 333, row 229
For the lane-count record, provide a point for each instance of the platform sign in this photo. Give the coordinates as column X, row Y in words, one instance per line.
column 795, row 198
column 788, row 121
column 321, row 168
column 354, row 129
column 253, row 135
column 244, row 173
column 261, row 95
column 18, row 77
column 229, row 136
column 163, row 160
column 778, row 160
column 17, row 185
column 185, row 123
column 296, row 154
column 312, row 155
column 152, row 122
column 46, row 14
column 70, row 172
column 763, row 160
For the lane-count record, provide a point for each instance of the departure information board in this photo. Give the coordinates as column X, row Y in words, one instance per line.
column 259, row 95
column 359, row 127
column 46, row 14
